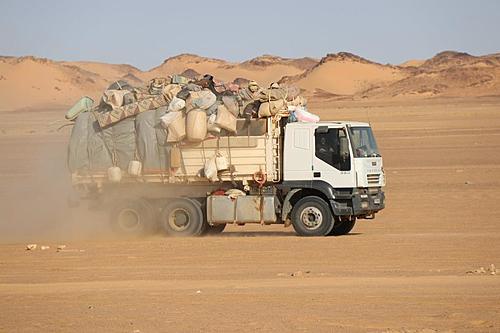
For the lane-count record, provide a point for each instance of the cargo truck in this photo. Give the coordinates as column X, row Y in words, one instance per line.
column 319, row 178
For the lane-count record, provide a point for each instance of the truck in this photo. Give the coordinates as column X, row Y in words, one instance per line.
column 318, row 177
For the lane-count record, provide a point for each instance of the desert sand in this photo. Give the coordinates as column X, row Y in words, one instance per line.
column 415, row 268
column 405, row 271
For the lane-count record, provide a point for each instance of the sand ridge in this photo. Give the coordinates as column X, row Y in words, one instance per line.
column 30, row 82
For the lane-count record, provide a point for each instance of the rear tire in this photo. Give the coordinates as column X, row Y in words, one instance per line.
column 132, row 217
column 182, row 218
column 214, row 229
column 342, row 226
column 311, row 216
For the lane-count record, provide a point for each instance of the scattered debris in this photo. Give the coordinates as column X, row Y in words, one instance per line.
column 71, row 250
column 61, row 247
column 300, row 273
column 31, row 247
column 481, row 270
column 409, row 330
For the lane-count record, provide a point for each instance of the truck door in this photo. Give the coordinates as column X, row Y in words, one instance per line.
column 332, row 157
column 297, row 156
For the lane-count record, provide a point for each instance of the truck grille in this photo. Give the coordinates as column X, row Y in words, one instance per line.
column 373, row 178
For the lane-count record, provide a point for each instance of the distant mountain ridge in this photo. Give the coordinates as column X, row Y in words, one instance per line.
column 31, row 82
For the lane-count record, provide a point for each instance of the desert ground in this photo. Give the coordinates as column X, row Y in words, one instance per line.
column 412, row 269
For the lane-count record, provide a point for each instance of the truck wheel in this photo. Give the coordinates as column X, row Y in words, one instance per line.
column 182, row 217
column 342, row 226
column 132, row 217
column 311, row 216
column 214, row 229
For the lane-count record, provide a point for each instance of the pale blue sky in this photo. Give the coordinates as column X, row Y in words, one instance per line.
column 144, row 33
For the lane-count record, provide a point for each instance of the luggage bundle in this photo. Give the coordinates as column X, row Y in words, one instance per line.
column 139, row 129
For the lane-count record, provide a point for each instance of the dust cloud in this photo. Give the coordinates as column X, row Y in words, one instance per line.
column 34, row 189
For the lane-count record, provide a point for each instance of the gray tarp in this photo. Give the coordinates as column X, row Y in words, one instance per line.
column 78, row 156
column 120, row 140
column 151, row 140
column 142, row 137
column 99, row 154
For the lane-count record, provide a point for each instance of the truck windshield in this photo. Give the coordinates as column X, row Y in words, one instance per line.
column 363, row 142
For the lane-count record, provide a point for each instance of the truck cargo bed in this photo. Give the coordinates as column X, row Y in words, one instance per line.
column 254, row 148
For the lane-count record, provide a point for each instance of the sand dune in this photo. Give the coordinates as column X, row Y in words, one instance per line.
column 447, row 74
column 412, row 63
column 29, row 82
column 264, row 69
column 345, row 74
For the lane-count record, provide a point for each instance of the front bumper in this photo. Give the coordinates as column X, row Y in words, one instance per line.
column 367, row 201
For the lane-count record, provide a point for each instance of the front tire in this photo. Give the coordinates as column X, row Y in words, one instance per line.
column 311, row 216
column 182, row 218
column 342, row 226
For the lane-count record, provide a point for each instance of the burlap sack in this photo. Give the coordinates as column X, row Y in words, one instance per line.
column 225, row 119
column 271, row 108
column 200, row 100
column 196, row 125
column 170, row 91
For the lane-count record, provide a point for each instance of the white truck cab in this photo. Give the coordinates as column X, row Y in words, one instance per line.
column 339, row 163
column 343, row 154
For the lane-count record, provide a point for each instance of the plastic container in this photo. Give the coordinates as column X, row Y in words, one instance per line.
column 221, row 161
column 175, row 123
column 114, row 174
column 196, row 125
column 84, row 104
column 176, row 104
column 210, row 170
column 212, row 127
column 175, row 158
column 134, row 168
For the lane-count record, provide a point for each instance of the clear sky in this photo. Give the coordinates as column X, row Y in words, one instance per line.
column 143, row 33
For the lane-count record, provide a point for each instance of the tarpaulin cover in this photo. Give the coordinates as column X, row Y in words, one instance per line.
column 92, row 148
column 120, row 140
column 151, row 138
column 78, row 156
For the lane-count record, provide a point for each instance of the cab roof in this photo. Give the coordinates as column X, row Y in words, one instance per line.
column 330, row 123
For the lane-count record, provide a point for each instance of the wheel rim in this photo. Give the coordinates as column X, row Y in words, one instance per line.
column 129, row 219
column 311, row 217
column 179, row 219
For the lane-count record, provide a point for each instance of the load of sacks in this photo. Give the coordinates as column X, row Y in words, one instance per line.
column 144, row 123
